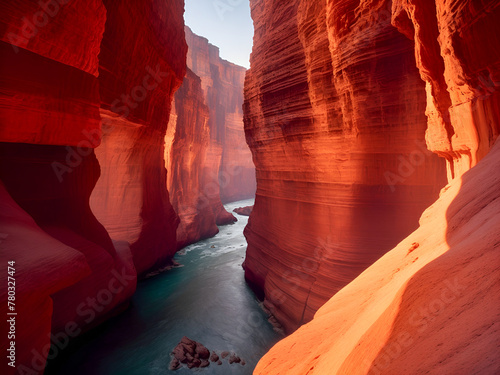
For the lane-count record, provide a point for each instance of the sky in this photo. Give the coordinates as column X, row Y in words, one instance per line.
column 226, row 24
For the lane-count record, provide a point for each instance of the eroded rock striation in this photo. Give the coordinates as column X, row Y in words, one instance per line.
column 457, row 52
column 187, row 160
column 335, row 118
column 422, row 308
column 431, row 308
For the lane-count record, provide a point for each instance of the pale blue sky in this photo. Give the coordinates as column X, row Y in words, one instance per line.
column 226, row 24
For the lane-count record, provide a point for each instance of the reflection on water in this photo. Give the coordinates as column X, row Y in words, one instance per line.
column 207, row 300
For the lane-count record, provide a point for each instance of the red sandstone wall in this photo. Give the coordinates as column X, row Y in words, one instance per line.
column 335, row 119
column 61, row 69
column 222, row 83
column 37, row 64
column 31, row 247
column 206, row 155
column 140, row 69
column 456, row 49
column 431, row 304
column 186, row 151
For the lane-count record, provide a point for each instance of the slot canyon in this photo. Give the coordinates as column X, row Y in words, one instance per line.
column 332, row 209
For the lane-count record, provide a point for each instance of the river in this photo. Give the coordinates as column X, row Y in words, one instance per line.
column 206, row 299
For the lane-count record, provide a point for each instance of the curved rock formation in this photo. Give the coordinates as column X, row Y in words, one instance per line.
column 64, row 66
column 43, row 266
column 456, row 49
column 38, row 61
column 430, row 305
column 335, row 118
column 130, row 198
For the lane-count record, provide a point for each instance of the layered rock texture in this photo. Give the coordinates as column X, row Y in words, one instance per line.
column 457, row 52
column 66, row 67
column 335, row 118
column 87, row 92
column 206, row 155
column 431, row 304
column 186, row 147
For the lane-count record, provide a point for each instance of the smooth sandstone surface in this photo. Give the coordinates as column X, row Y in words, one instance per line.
column 50, row 93
column 43, row 266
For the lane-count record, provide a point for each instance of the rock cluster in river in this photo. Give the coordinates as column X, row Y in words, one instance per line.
column 195, row 355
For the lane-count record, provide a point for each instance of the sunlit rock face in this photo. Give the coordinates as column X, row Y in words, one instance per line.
column 457, row 52
column 206, row 155
column 429, row 306
column 63, row 65
column 335, row 118
column 426, row 306
column 142, row 63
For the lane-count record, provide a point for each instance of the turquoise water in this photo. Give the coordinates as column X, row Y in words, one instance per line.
column 206, row 299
